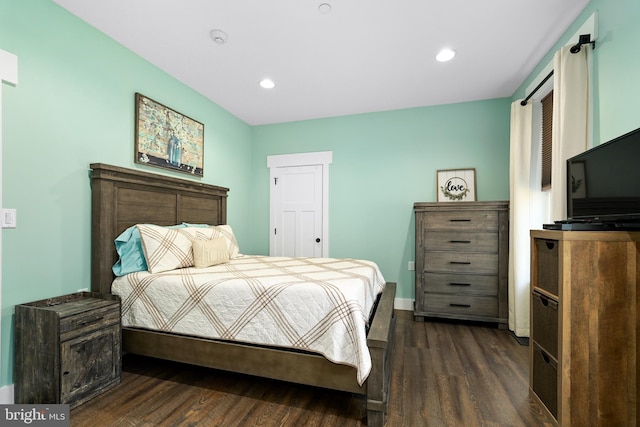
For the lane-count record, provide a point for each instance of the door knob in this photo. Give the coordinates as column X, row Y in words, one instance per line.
column 317, row 240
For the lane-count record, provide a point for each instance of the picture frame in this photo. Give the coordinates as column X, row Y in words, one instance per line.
column 456, row 185
column 166, row 138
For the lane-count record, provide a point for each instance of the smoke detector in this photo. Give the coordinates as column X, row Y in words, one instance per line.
column 219, row 36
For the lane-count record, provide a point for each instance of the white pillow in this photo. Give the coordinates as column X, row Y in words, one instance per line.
column 199, row 233
column 166, row 248
column 232, row 244
column 210, row 252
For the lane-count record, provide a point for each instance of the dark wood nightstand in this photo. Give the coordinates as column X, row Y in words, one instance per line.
column 67, row 349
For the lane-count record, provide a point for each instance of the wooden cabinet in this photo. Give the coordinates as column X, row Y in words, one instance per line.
column 585, row 324
column 462, row 261
column 67, row 349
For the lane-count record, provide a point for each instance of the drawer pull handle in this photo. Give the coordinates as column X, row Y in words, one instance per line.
column 65, row 373
column 546, row 301
column 88, row 322
column 459, row 241
column 460, row 220
column 550, row 244
column 460, row 305
column 459, row 284
column 460, row 262
column 545, row 356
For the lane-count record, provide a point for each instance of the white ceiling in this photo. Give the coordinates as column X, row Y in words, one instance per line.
column 363, row 56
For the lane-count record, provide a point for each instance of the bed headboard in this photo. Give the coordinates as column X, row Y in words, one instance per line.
column 123, row 197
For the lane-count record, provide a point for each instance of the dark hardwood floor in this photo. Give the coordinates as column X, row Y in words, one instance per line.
column 444, row 374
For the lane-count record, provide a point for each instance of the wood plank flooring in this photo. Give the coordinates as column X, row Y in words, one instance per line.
column 444, row 374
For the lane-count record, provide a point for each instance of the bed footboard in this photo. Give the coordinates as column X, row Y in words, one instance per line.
column 380, row 343
column 309, row 369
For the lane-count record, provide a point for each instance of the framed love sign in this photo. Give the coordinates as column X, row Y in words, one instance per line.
column 456, row 185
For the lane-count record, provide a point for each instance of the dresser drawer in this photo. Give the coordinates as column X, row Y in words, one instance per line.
column 544, row 312
column 544, row 379
column 461, row 262
column 459, row 241
column 462, row 220
column 86, row 322
column 465, row 284
column 547, row 268
column 464, row 305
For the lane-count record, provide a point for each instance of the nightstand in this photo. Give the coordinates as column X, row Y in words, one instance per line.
column 67, row 349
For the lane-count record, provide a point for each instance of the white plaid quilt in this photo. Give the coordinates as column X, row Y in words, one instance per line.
column 315, row 304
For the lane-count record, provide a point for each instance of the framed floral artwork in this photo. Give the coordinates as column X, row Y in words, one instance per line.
column 167, row 139
column 456, row 185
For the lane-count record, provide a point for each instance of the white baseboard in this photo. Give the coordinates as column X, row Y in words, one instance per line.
column 403, row 304
column 6, row 395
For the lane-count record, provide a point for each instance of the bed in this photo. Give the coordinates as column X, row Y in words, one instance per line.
column 122, row 198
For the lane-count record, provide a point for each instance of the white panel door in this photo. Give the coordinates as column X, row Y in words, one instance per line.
column 297, row 209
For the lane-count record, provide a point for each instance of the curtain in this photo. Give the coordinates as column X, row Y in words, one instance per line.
column 528, row 208
column 571, row 99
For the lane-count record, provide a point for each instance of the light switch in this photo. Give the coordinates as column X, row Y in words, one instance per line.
column 9, row 218
column 412, row 265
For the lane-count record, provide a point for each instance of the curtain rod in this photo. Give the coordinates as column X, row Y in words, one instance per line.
column 583, row 39
column 533, row 92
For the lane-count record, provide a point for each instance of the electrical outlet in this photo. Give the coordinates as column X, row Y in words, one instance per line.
column 412, row 265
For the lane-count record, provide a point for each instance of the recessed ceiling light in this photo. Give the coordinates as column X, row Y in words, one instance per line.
column 267, row 84
column 445, row 55
column 219, row 36
column 324, row 8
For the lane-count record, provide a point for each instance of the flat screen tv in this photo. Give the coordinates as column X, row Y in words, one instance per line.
column 603, row 184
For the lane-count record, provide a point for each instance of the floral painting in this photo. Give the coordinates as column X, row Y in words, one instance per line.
column 168, row 139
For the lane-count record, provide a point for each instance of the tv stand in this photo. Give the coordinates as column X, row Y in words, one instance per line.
column 585, row 326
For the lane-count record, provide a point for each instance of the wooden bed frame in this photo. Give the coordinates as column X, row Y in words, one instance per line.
column 124, row 197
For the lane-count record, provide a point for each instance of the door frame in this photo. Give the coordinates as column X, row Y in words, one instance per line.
column 323, row 158
column 8, row 75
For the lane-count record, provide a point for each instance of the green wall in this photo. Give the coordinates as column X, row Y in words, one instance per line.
column 74, row 105
column 382, row 164
column 616, row 65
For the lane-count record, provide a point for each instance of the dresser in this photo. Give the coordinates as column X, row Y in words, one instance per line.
column 67, row 349
column 462, row 261
column 585, row 326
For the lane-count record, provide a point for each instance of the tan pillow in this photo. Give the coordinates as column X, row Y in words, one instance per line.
column 210, row 252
